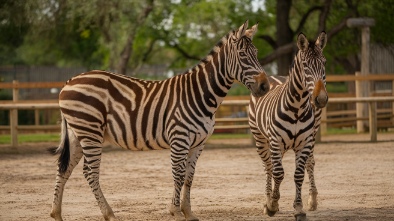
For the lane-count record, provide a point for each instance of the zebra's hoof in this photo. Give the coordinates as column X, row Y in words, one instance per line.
column 176, row 212
column 300, row 217
column 269, row 212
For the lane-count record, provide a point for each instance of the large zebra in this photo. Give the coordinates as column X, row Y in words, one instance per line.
column 288, row 117
column 177, row 114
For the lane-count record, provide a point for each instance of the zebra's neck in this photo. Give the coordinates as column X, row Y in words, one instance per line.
column 213, row 81
column 296, row 92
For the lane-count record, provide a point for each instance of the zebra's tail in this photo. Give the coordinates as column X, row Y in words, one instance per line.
column 63, row 149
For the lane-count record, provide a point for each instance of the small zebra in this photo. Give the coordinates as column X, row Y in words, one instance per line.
column 177, row 114
column 288, row 117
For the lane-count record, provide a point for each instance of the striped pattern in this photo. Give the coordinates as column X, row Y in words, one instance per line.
column 288, row 117
column 177, row 114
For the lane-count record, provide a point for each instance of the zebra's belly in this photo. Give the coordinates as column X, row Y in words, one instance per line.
column 134, row 136
column 288, row 136
column 148, row 140
column 138, row 143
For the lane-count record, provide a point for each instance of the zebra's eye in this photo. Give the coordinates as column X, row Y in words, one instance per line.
column 242, row 54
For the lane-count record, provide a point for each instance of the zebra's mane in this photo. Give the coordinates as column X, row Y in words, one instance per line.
column 216, row 49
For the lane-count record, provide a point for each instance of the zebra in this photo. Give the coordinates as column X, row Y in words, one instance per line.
column 177, row 113
column 288, row 117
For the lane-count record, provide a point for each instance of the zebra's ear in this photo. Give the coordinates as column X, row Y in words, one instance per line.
column 302, row 42
column 252, row 31
column 321, row 40
column 241, row 30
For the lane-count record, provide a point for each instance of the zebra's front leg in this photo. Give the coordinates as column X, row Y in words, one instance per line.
column 185, row 193
column 265, row 155
column 178, row 161
column 301, row 158
column 278, row 175
column 91, row 171
column 312, row 200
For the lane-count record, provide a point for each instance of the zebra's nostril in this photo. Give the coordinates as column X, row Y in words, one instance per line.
column 264, row 87
column 321, row 102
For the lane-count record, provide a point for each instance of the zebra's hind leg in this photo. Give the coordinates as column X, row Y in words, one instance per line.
column 185, row 193
column 312, row 200
column 91, row 170
column 71, row 148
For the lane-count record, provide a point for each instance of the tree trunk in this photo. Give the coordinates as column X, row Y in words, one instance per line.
column 125, row 55
column 128, row 48
column 284, row 34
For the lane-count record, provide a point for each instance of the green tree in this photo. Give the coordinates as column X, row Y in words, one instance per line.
column 312, row 17
column 13, row 28
column 118, row 34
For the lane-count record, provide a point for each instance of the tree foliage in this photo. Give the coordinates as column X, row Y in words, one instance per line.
column 120, row 34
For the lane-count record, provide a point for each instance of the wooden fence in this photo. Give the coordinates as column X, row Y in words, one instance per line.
column 235, row 123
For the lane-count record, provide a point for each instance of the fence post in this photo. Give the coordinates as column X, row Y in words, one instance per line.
column 372, row 121
column 392, row 104
column 14, row 115
column 323, row 125
column 318, row 136
column 362, row 88
column 36, row 117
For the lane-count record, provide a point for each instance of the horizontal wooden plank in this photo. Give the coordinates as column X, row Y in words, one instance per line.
column 25, row 106
column 353, row 112
column 370, row 77
column 52, row 101
column 32, row 127
column 38, row 127
column 343, row 119
column 53, row 104
column 329, row 78
column 10, row 85
column 236, row 102
column 359, row 99
column 330, row 100
column 238, row 119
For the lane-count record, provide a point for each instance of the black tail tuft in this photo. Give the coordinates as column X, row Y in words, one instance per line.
column 63, row 149
column 52, row 150
column 64, row 157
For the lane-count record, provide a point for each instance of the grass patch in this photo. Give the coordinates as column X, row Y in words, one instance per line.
column 55, row 137
column 31, row 138
column 230, row 136
column 334, row 131
column 337, row 87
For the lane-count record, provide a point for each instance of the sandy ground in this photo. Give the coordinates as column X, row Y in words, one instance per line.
column 355, row 180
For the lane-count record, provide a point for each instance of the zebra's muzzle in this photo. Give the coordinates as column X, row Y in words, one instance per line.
column 261, row 85
column 320, row 95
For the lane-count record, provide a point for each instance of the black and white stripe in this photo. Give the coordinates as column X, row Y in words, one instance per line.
column 288, row 117
column 177, row 114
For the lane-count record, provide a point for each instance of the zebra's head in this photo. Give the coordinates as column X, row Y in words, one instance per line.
column 313, row 68
column 243, row 63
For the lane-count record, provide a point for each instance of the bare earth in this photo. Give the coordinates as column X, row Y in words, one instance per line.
column 355, row 180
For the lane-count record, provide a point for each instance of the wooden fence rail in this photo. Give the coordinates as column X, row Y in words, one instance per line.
column 236, row 123
column 239, row 123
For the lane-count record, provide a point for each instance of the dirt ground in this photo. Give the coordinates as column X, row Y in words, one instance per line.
column 355, row 180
